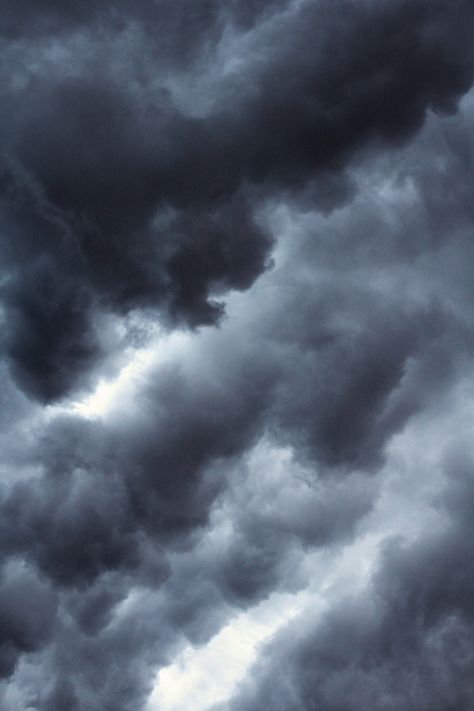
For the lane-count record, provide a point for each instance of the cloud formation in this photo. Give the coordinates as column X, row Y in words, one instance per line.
column 270, row 204
column 405, row 643
column 137, row 200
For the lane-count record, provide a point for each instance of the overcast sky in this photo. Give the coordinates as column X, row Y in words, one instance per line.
column 237, row 375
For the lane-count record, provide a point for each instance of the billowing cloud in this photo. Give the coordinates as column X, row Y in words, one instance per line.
column 404, row 643
column 250, row 224
column 120, row 194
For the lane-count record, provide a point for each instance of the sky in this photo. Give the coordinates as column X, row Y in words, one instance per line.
column 236, row 355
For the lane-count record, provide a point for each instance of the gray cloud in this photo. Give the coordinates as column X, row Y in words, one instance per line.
column 135, row 202
column 288, row 188
column 406, row 643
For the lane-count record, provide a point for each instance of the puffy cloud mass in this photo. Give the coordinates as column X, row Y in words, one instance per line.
column 236, row 357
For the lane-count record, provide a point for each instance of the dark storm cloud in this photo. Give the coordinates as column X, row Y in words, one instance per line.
column 143, row 531
column 180, row 28
column 126, row 194
column 181, row 595
column 160, row 465
column 49, row 337
column 116, row 498
column 105, row 486
column 355, row 393
column 406, row 643
column 64, row 519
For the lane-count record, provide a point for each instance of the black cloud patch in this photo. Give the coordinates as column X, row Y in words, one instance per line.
column 49, row 338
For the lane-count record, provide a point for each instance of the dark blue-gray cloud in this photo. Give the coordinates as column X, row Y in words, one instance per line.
column 156, row 160
column 117, row 198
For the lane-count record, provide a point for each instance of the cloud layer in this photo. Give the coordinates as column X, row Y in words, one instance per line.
column 254, row 222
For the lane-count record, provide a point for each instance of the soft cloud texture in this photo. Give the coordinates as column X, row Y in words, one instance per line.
column 247, row 227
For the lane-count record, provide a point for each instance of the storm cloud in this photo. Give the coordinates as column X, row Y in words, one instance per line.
column 236, row 304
